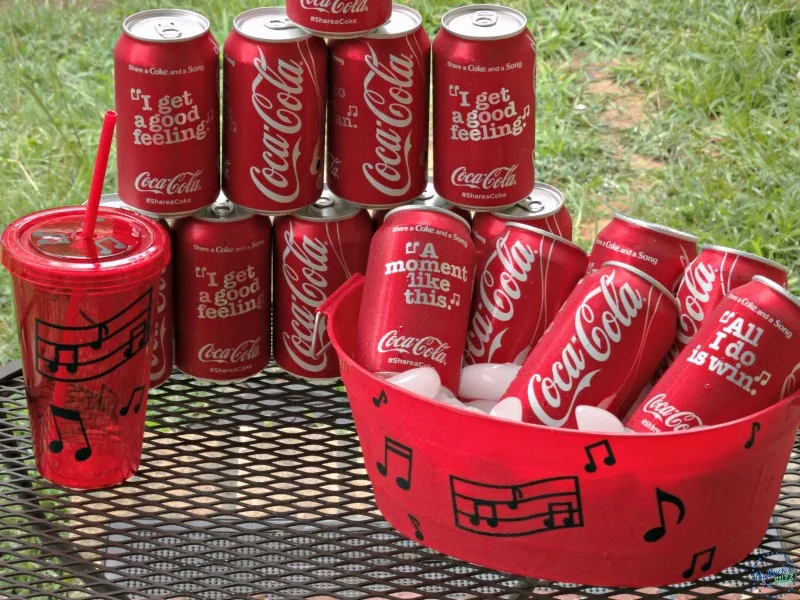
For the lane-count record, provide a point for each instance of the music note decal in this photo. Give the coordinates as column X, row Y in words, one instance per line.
column 382, row 398
column 609, row 459
column 62, row 350
column 516, row 510
column 417, row 530
column 404, row 462
column 705, row 566
column 662, row 497
column 754, row 428
column 136, row 393
column 72, row 416
column 352, row 111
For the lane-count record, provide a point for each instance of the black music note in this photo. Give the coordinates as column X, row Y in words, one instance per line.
column 756, row 427
column 476, row 517
column 381, row 399
column 405, row 453
column 72, row 365
column 137, row 334
column 656, row 533
column 57, row 446
column 560, row 508
column 610, row 460
column 417, row 530
column 516, row 496
column 704, row 567
column 139, row 391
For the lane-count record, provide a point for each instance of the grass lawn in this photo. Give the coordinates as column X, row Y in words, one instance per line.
column 683, row 112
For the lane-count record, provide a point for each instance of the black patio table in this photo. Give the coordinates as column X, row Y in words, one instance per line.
column 257, row 490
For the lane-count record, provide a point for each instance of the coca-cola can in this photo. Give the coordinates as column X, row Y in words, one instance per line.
column 543, row 209
column 222, row 293
column 600, row 350
column 708, row 279
column 521, row 283
column 274, row 96
column 661, row 252
column 317, row 249
column 378, row 119
column 484, row 107
column 427, row 198
column 416, row 298
column 166, row 88
column 339, row 18
column 743, row 358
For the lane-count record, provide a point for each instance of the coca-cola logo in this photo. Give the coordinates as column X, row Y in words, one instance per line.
column 429, row 347
column 671, row 417
column 336, row 7
column 246, row 350
column 790, row 384
column 279, row 105
column 182, row 183
column 304, row 268
column 694, row 295
column 600, row 322
column 388, row 94
column 496, row 298
column 497, row 178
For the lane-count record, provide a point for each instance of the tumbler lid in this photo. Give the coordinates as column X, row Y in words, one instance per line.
column 484, row 22
column 545, row 200
column 165, row 25
column 45, row 249
column 268, row 24
column 329, row 207
column 403, row 21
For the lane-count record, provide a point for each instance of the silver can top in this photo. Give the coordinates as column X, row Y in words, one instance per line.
column 776, row 288
column 403, row 21
column 662, row 229
column 430, row 198
column 165, row 25
column 329, row 207
column 743, row 254
column 545, row 200
column 222, row 211
column 484, row 22
column 268, row 24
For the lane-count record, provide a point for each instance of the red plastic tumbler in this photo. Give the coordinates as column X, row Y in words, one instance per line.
column 85, row 309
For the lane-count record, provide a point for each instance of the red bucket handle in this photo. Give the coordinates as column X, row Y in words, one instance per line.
column 324, row 308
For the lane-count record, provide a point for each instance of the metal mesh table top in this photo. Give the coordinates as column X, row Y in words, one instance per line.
column 257, row 490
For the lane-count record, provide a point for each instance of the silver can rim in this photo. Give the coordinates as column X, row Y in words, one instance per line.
column 676, row 233
column 777, row 288
column 547, row 234
column 504, row 214
column 750, row 255
column 154, row 12
column 436, row 209
column 648, row 278
column 415, row 15
column 252, row 12
column 448, row 16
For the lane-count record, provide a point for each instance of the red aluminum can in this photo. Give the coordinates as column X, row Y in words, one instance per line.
column 378, row 120
column 166, row 89
column 521, row 283
column 743, row 358
column 417, row 289
column 543, row 209
column 222, row 293
column 484, row 107
column 317, row 249
column 600, row 350
column 661, row 252
column 708, row 279
column 427, row 198
column 274, row 120
column 339, row 18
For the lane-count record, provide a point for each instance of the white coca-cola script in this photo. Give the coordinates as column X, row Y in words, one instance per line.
column 429, row 347
column 336, row 7
column 182, row 183
column 599, row 326
column 497, row 298
column 497, row 178
column 698, row 281
column 279, row 105
column 246, row 350
column 390, row 174
column 671, row 417
column 304, row 268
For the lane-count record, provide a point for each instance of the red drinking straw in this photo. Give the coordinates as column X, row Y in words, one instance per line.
column 99, row 174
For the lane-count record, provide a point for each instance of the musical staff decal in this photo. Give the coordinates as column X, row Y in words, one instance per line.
column 382, row 398
column 70, row 416
column 417, row 530
column 705, row 566
column 754, row 429
column 609, row 459
column 83, row 353
column 662, row 497
column 403, row 463
column 136, row 393
column 516, row 510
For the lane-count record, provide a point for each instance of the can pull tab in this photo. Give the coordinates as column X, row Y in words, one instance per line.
column 168, row 29
column 278, row 23
column 532, row 205
column 484, row 18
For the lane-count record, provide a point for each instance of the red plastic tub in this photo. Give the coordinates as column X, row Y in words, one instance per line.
column 600, row 509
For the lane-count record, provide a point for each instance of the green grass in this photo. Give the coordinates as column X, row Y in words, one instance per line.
column 719, row 80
